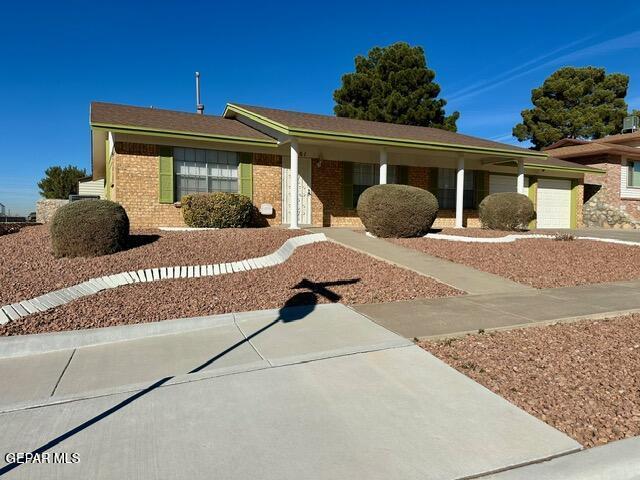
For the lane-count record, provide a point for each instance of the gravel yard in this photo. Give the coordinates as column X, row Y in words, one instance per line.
column 582, row 378
column 541, row 263
column 28, row 268
column 360, row 279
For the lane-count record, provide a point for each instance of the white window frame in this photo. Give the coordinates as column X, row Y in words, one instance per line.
column 217, row 165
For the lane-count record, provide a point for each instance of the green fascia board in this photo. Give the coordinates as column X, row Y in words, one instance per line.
column 565, row 169
column 387, row 141
column 180, row 134
column 256, row 117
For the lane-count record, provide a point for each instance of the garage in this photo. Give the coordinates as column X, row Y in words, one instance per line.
column 554, row 198
column 554, row 203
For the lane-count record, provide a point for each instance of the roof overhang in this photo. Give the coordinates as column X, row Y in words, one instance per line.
column 232, row 110
column 540, row 165
column 182, row 134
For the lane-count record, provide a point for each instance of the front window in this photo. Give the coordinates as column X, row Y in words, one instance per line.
column 366, row 175
column 634, row 174
column 202, row 171
column 447, row 189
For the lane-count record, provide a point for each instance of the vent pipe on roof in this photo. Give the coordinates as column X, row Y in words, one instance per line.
column 199, row 106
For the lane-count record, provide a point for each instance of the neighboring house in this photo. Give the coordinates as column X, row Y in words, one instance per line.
column 611, row 200
column 89, row 187
column 150, row 158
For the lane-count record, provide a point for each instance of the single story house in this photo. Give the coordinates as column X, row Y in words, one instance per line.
column 613, row 199
column 307, row 169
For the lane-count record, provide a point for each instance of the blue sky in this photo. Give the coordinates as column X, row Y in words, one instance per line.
column 56, row 57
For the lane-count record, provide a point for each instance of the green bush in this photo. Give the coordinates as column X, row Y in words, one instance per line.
column 89, row 228
column 218, row 210
column 506, row 211
column 397, row 210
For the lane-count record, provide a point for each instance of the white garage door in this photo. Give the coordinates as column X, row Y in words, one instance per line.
column 505, row 183
column 554, row 203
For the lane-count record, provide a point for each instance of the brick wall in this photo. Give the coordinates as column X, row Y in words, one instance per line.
column 327, row 205
column 267, row 184
column 136, row 187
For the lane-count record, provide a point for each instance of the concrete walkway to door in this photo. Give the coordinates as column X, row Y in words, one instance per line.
column 453, row 274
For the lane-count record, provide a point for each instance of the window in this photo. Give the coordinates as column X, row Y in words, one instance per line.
column 202, row 171
column 366, row 175
column 634, row 174
column 447, row 189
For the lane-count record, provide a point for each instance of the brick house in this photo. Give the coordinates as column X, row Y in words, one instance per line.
column 613, row 199
column 149, row 158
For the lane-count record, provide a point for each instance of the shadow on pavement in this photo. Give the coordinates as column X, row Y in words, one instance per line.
column 297, row 307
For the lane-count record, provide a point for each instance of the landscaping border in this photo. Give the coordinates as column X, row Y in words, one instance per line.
column 63, row 296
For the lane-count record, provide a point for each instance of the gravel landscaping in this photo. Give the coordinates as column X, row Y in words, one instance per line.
column 541, row 263
column 582, row 378
column 28, row 267
column 360, row 279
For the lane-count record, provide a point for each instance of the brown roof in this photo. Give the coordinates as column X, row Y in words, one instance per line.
column 621, row 137
column 330, row 124
column 172, row 121
column 594, row 148
column 564, row 142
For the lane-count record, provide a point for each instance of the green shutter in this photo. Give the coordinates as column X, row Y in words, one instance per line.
column 402, row 174
column 347, row 185
column 245, row 175
column 432, row 181
column 107, row 170
column 166, row 176
column 481, row 186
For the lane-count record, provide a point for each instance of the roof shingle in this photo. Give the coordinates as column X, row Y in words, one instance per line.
column 330, row 124
column 170, row 120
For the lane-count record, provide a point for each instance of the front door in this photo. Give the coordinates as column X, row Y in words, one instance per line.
column 304, row 190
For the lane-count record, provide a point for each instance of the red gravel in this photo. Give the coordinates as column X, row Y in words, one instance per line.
column 541, row 263
column 368, row 281
column 581, row 378
column 28, row 268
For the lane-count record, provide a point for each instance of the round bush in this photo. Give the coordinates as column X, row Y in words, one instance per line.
column 397, row 210
column 217, row 210
column 89, row 228
column 506, row 211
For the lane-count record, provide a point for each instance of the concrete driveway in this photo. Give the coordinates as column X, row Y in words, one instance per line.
column 308, row 392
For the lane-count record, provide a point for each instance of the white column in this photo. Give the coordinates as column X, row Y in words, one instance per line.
column 293, row 186
column 520, row 183
column 459, row 192
column 383, row 166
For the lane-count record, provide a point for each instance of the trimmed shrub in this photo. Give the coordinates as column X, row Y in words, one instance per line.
column 218, row 210
column 89, row 228
column 506, row 211
column 397, row 210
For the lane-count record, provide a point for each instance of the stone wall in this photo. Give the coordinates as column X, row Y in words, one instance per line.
column 603, row 198
column 46, row 208
column 596, row 212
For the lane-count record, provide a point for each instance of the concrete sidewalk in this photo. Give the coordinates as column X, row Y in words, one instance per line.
column 616, row 461
column 467, row 314
column 453, row 274
column 319, row 392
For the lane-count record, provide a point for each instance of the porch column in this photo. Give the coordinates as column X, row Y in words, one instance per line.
column 459, row 192
column 520, row 183
column 293, row 186
column 383, row 166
